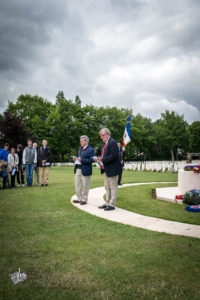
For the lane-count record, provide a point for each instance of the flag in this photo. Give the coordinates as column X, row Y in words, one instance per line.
column 127, row 132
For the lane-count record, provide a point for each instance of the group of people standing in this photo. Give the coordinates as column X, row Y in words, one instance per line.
column 36, row 158
column 14, row 162
column 111, row 164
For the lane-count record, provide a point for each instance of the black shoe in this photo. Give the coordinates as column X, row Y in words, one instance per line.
column 46, row 184
column 103, row 206
column 76, row 201
column 109, row 207
column 42, row 184
column 83, row 202
column 120, row 184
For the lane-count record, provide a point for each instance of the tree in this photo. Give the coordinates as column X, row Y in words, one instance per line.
column 33, row 112
column 12, row 130
column 78, row 101
column 64, row 126
column 173, row 132
column 194, row 137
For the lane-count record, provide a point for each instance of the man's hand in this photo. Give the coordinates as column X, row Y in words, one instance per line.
column 0, row 165
column 99, row 159
column 43, row 162
column 94, row 158
column 79, row 159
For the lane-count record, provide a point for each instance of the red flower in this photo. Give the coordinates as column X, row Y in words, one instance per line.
column 179, row 197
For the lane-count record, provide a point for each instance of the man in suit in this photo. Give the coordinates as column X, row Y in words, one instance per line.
column 111, row 165
column 121, row 157
column 83, row 170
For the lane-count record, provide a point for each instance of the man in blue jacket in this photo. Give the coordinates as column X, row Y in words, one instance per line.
column 4, row 152
column 83, row 170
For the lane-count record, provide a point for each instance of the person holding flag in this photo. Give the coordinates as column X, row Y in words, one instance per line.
column 121, row 157
column 127, row 132
column 126, row 140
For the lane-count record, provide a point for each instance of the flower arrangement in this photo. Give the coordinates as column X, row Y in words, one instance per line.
column 194, row 168
column 192, row 197
column 179, row 197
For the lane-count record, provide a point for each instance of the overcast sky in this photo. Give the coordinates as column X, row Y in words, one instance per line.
column 139, row 54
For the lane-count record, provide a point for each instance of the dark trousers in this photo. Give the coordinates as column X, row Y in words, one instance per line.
column 120, row 174
column 5, row 176
column 20, row 173
column 12, row 179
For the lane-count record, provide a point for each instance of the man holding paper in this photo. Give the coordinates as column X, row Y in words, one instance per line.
column 111, row 167
column 83, row 170
column 44, row 162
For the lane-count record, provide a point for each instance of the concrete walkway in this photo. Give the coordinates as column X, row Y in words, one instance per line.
column 130, row 218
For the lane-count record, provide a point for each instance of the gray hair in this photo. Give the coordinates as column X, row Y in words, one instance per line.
column 105, row 131
column 85, row 138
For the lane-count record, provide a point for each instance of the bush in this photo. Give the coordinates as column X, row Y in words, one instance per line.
column 192, row 197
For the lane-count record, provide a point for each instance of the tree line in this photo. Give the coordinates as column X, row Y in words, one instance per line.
column 62, row 123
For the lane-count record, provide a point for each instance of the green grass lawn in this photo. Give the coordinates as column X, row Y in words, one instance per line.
column 70, row 254
column 138, row 199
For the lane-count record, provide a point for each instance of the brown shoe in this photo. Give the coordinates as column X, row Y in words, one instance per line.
column 76, row 201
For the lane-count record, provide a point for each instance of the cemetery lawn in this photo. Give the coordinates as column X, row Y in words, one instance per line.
column 139, row 200
column 70, row 254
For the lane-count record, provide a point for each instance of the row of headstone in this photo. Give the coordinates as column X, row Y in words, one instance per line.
column 158, row 166
column 155, row 166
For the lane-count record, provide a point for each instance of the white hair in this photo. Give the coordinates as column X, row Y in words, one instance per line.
column 85, row 138
column 105, row 131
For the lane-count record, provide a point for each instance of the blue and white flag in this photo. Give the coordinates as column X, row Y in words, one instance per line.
column 127, row 132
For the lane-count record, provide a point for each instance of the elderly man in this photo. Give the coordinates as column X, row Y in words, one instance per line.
column 111, row 165
column 44, row 162
column 83, row 170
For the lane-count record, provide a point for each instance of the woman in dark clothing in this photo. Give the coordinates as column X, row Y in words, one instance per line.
column 20, row 173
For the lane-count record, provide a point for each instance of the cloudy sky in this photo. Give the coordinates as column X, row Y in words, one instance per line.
column 139, row 54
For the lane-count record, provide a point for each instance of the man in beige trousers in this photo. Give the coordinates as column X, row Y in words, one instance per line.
column 110, row 162
column 83, row 170
column 44, row 162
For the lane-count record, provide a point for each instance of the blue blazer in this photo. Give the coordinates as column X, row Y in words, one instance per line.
column 111, row 159
column 86, row 160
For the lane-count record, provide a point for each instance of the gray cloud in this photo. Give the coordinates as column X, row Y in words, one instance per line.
column 143, row 54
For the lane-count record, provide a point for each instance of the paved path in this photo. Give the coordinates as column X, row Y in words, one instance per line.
column 130, row 218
